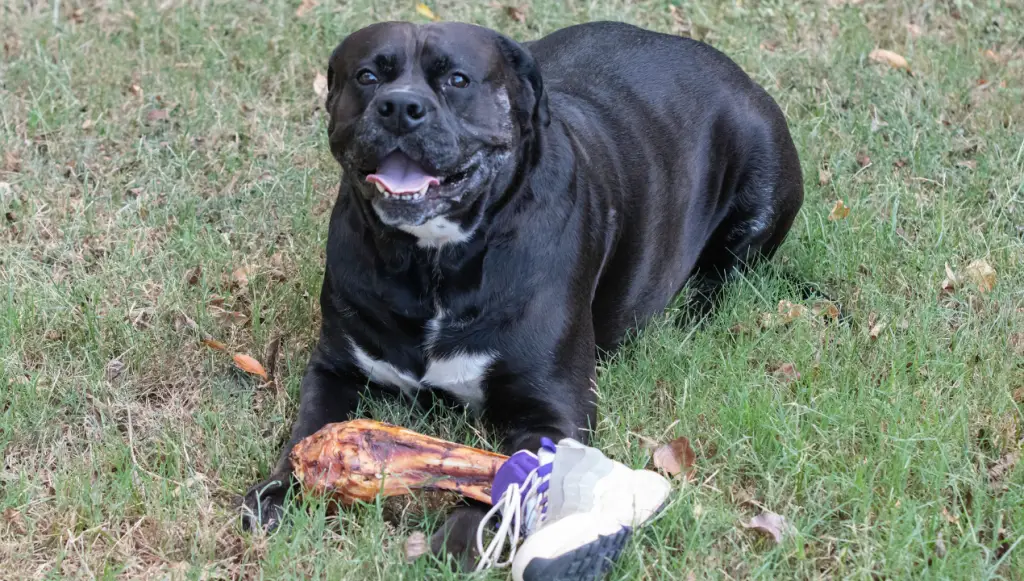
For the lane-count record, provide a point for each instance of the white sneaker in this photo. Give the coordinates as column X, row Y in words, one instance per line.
column 573, row 508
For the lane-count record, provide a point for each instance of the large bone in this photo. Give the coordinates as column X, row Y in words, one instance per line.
column 360, row 459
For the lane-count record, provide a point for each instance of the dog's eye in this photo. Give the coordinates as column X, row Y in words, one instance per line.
column 459, row 81
column 366, row 77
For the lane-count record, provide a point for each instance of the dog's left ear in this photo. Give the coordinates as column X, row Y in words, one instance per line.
column 330, row 75
column 530, row 102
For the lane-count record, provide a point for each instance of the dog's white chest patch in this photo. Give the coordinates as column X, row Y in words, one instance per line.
column 384, row 372
column 437, row 232
column 460, row 376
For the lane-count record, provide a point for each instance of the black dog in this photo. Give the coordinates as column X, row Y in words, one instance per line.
column 507, row 212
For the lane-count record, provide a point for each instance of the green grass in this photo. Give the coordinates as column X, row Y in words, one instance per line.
column 879, row 447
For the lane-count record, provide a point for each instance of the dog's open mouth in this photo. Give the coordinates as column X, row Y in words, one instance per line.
column 399, row 177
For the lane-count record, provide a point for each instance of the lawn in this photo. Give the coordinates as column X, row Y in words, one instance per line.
column 165, row 178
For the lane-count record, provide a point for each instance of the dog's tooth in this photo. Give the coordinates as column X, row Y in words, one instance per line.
column 423, row 190
column 380, row 188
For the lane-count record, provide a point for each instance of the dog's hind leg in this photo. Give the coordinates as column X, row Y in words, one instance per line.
column 753, row 231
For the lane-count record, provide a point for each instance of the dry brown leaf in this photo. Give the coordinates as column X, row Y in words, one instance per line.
column 12, row 162
column 140, row 317
column 320, row 86
column 425, row 11
column 825, row 308
column 950, row 518
column 228, row 317
column 862, row 159
column 240, row 277
column 250, row 365
column 517, row 13
column 767, row 320
column 277, row 269
column 914, row 30
column 114, row 369
column 880, row 55
column 214, row 344
column 951, row 281
column 415, row 546
column 824, row 177
column 135, row 89
column 1003, row 466
column 839, row 211
column 87, row 124
column 273, row 349
column 675, row 457
column 876, row 330
column 305, row 8
column 15, row 520
column 772, row 524
column 786, row 373
column 967, row 164
column 154, row 115
column 982, row 274
column 192, row 276
column 183, row 321
column 788, row 311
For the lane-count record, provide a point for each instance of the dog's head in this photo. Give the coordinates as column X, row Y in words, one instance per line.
column 426, row 119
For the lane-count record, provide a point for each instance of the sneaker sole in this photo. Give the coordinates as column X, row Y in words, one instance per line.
column 589, row 562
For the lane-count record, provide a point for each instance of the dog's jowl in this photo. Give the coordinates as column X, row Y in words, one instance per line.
column 509, row 211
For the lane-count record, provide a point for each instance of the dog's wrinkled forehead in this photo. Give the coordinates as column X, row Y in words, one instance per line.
column 402, row 47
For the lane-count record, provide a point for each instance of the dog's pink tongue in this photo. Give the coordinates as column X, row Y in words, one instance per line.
column 400, row 175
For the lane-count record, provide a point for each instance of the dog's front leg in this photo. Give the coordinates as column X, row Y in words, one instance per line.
column 325, row 396
column 526, row 409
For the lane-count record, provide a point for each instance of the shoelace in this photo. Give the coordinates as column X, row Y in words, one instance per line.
column 511, row 506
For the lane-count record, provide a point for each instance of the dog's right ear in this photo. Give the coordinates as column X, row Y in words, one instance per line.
column 530, row 102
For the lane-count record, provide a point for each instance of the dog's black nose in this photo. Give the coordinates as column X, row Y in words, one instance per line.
column 402, row 112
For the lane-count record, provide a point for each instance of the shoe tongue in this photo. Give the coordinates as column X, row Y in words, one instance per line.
column 399, row 174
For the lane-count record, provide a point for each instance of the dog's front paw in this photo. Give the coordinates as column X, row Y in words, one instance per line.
column 263, row 505
column 457, row 537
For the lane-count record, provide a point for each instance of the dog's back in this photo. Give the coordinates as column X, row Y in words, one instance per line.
column 696, row 159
